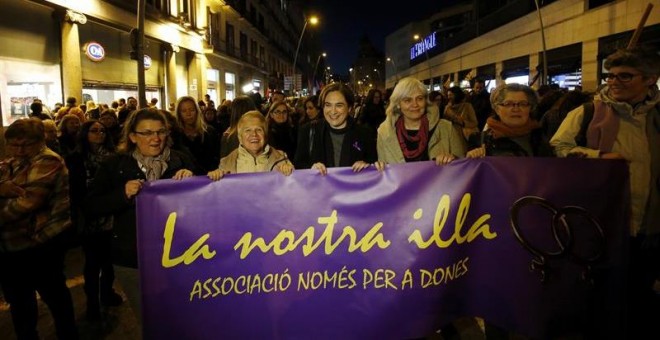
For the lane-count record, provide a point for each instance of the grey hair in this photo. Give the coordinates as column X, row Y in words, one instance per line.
column 498, row 94
column 406, row 87
column 644, row 59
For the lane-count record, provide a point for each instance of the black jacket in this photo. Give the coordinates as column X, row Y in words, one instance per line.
column 315, row 145
column 107, row 196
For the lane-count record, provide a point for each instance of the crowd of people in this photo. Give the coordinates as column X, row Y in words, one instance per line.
column 72, row 178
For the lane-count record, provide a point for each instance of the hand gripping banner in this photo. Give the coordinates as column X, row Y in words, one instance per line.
column 536, row 246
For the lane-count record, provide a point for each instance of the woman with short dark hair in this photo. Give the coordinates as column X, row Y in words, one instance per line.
column 144, row 155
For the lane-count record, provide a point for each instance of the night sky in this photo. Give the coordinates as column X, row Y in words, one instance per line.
column 344, row 22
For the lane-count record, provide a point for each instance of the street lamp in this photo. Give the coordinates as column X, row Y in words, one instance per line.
column 316, row 66
column 396, row 72
column 313, row 20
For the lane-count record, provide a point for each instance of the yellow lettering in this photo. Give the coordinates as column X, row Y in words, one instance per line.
column 480, row 227
column 196, row 291
column 191, row 254
column 285, row 241
column 407, row 279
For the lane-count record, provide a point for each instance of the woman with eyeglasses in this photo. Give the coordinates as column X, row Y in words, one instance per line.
column 94, row 145
column 512, row 131
column 281, row 131
column 625, row 125
column 143, row 155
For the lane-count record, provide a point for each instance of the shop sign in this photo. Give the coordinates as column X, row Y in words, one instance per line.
column 94, row 51
column 423, row 46
column 147, row 62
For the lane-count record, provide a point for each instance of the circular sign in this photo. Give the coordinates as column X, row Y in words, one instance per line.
column 147, row 62
column 94, row 51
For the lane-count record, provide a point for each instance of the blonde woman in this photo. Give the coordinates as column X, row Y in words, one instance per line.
column 253, row 153
column 201, row 139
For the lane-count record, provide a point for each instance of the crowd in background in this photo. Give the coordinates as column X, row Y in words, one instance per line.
column 101, row 154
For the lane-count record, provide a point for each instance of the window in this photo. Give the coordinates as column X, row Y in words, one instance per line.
column 231, row 44
column 230, row 86
column 243, row 45
column 253, row 51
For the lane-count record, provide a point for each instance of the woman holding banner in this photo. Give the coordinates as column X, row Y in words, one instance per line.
column 413, row 130
column 512, row 131
column 144, row 155
column 252, row 154
column 338, row 140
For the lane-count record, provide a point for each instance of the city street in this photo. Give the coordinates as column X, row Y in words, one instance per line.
column 116, row 323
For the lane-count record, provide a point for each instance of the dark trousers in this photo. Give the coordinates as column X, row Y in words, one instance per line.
column 40, row 269
column 98, row 260
column 643, row 303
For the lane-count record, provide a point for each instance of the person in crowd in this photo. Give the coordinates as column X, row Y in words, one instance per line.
column 312, row 112
column 37, row 111
column 275, row 96
column 69, row 127
column 461, row 113
column 208, row 102
column 480, row 101
column 257, row 99
column 413, row 131
column 153, row 103
column 373, row 110
column 93, row 147
column 223, row 116
column 143, row 155
column 239, row 106
column 551, row 95
column 71, row 102
column 35, row 228
column 60, row 113
column 201, row 139
column 625, row 124
column 125, row 110
column 93, row 111
column 50, row 132
column 551, row 120
column 211, row 119
column 78, row 112
column 281, row 131
column 439, row 100
column 513, row 131
column 109, row 119
column 337, row 141
column 253, row 153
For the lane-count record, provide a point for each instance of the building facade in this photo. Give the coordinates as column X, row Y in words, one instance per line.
column 504, row 43
column 53, row 49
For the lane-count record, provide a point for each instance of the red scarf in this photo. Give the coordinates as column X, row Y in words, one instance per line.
column 422, row 137
column 501, row 130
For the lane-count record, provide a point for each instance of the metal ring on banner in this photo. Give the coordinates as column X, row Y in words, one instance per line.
column 565, row 244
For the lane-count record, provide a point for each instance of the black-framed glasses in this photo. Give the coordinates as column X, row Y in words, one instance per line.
column 623, row 77
column 510, row 105
column 149, row 134
column 278, row 112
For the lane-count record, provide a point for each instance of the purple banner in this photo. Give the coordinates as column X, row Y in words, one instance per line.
column 536, row 246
